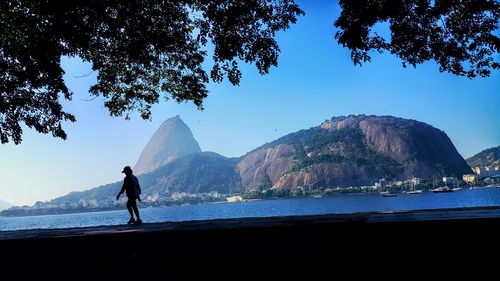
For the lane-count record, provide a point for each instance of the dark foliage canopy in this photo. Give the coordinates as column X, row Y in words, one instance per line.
column 141, row 49
column 457, row 34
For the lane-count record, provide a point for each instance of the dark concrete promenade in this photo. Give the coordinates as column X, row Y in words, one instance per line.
column 441, row 241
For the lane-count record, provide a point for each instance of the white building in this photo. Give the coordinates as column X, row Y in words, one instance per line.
column 469, row 178
column 485, row 171
column 82, row 203
column 178, row 195
column 234, row 199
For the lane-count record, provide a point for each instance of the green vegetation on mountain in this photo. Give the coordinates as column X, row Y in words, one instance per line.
column 196, row 173
column 487, row 157
column 317, row 139
column 266, row 184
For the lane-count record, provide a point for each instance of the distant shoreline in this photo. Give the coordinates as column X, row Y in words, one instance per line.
column 51, row 211
column 29, row 212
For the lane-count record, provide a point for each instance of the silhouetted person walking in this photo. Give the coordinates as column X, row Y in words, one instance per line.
column 132, row 189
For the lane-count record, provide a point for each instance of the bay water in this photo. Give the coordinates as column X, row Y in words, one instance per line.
column 336, row 204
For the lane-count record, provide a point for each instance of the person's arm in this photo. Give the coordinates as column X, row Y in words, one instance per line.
column 121, row 191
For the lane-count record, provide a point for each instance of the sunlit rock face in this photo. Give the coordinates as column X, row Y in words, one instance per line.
column 352, row 151
column 171, row 141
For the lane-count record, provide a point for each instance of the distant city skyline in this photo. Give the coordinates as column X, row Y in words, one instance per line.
column 315, row 80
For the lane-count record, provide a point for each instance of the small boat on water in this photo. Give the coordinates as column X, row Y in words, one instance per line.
column 478, row 187
column 416, row 191
column 442, row 189
column 387, row 194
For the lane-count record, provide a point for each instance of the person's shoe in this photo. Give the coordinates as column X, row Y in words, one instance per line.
column 138, row 221
column 131, row 221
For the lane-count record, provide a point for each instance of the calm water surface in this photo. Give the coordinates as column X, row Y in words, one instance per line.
column 340, row 204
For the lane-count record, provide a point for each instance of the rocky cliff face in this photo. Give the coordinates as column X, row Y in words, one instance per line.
column 171, row 141
column 352, row 151
column 421, row 149
column 273, row 162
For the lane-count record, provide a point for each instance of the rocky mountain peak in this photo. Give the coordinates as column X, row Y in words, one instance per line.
column 171, row 141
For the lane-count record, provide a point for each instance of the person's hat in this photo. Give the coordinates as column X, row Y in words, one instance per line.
column 127, row 169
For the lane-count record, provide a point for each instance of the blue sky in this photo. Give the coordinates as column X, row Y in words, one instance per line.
column 315, row 80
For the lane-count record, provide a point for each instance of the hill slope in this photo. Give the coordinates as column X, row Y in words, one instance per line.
column 196, row 173
column 487, row 157
column 353, row 151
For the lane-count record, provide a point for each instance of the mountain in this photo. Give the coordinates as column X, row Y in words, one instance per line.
column 171, row 141
column 355, row 150
column 202, row 172
column 487, row 157
column 196, row 173
column 4, row 205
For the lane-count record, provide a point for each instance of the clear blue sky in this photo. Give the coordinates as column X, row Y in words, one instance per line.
column 315, row 80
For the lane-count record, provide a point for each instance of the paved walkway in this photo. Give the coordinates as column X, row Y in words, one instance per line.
column 242, row 223
column 431, row 243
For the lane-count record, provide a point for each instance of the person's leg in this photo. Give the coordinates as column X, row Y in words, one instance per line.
column 130, row 210
column 136, row 211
